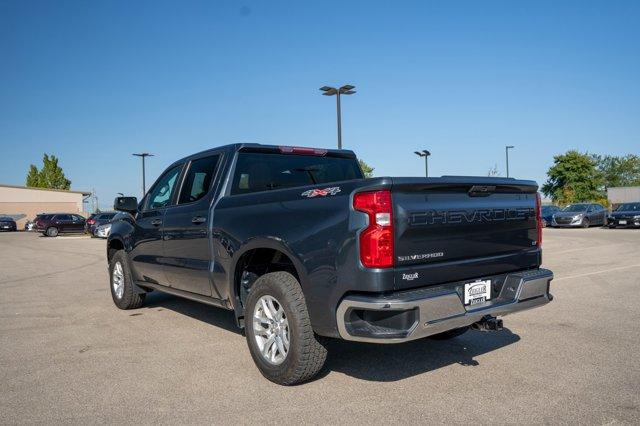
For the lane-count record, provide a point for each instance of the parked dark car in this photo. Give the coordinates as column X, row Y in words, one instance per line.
column 298, row 244
column 7, row 224
column 547, row 214
column 626, row 215
column 97, row 219
column 30, row 225
column 53, row 224
column 580, row 215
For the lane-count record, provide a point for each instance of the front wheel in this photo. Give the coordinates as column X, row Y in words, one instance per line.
column 585, row 223
column 278, row 330
column 122, row 290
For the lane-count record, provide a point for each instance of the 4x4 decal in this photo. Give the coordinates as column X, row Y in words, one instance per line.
column 321, row 192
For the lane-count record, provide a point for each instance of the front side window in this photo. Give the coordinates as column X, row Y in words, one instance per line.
column 198, row 180
column 262, row 171
column 160, row 194
column 63, row 217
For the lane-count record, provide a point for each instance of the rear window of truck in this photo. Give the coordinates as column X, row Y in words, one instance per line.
column 257, row 172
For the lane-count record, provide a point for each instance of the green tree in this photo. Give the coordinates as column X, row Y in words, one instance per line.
column 574, row 177
column 33, row 177
column 366, row 169
column 50, row 175
column 619, row 171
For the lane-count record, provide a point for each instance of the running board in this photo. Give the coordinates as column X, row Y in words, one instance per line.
column 186, row 294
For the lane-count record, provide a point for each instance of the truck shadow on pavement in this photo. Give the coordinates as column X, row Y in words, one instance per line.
column 215, row 316
column 389, row 363
column 365, row 361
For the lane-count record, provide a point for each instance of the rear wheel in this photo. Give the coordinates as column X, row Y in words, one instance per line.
column 278, row 330
column 450, row 334
column 122, row 290
column 52, row 231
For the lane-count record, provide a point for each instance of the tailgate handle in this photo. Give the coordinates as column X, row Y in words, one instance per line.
column 481, row 190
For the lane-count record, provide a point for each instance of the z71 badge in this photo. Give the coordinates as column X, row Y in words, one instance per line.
column 321, row 192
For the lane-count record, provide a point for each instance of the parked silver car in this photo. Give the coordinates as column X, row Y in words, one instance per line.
column 580, row 215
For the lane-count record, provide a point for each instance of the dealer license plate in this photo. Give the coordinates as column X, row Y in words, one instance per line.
column 622, row 222
column 477, row 292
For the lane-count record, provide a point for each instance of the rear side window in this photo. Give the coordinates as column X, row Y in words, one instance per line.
column 198, row 180
column 263, row 171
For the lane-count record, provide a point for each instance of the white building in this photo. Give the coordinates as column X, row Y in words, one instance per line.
column 623, row 194
column 22, row 203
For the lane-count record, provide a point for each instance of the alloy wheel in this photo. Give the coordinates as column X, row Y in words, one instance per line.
column 271, row 330
column 118, row 280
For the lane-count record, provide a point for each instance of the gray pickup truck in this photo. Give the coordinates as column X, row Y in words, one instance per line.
column 301, row 247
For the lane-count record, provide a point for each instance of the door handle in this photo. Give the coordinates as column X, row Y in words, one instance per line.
column 198, row 219
column 156, row 222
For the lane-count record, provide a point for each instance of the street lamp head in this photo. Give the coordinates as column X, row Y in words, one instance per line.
column 143, row 154
column 510, row 146
column 418, row 153
column 329, row 91
column 427, row 153
column 347, row 89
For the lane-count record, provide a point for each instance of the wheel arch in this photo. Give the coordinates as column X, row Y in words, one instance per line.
column 260, row 256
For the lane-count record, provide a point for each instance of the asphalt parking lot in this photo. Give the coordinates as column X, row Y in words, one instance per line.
column 67, row 355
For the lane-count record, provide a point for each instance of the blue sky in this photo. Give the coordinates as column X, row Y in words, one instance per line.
column 94, row 81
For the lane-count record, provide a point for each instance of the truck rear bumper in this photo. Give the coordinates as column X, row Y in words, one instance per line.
column 410, row 315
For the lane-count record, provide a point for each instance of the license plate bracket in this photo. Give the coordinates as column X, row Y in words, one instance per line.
column 477, row 292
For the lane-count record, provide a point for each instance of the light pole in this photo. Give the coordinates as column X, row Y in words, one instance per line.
column 143, row 155
column 424, row 153
column 347, row 89
column 506, row 151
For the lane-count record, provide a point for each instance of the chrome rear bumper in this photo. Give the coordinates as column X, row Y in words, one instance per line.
column 432, row 310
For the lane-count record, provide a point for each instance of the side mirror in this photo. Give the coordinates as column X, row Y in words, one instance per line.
column 126, row 204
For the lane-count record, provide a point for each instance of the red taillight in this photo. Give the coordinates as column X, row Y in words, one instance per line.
column 376, row 241
column 301, row 150
column 91, row 221
column 539, row 219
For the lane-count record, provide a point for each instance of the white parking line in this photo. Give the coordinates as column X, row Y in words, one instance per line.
column 604, row 271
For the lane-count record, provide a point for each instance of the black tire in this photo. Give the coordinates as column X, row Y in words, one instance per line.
column 306, row 355
column 585, row 223
column 450, row 334
column 52, row 231
column 130, row 299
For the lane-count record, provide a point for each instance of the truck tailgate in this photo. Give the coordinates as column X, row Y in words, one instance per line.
column 462, row 227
